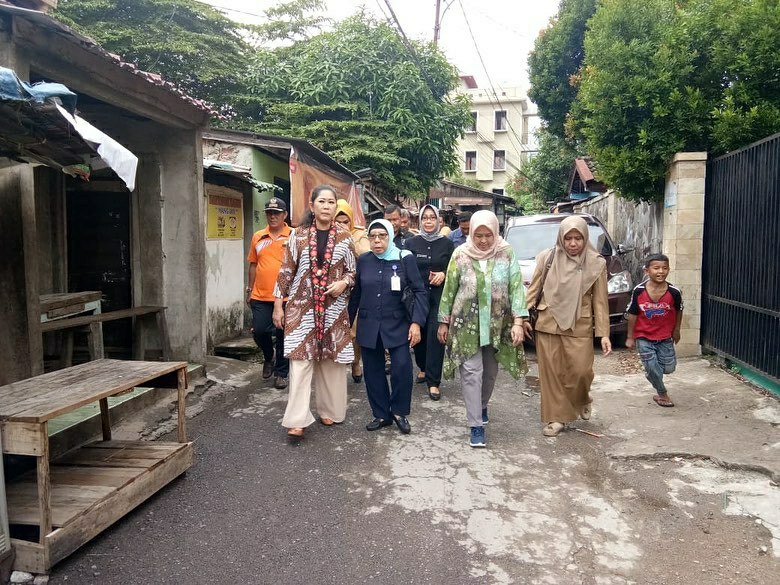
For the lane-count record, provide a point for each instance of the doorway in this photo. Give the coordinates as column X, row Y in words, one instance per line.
column 99, row 254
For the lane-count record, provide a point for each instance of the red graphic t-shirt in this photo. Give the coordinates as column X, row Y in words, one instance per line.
column 655, row 319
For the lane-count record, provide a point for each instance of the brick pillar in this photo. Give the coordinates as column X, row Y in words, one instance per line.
column 683, row 239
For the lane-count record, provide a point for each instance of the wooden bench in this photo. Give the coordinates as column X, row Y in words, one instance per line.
column 95, row 336
column 64, row 503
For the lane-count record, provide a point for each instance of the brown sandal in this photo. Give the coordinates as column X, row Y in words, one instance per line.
column 295, row 432
column 663, row 400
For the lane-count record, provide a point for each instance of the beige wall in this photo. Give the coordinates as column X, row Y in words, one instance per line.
column 683, row 239
column 514, row 141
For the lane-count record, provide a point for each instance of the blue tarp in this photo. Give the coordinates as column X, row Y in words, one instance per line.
column 15, row 90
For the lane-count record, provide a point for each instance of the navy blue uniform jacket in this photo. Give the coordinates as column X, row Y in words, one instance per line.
column 379, row 309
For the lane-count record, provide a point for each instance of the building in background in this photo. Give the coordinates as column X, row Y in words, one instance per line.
column 501, row 136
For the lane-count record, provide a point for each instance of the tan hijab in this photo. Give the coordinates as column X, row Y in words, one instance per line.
column 488, row 219
column 570, row 277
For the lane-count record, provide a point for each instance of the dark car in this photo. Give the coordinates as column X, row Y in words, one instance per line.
column 530, row 234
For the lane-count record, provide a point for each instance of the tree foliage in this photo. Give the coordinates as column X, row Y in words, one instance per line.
column 546, row 176
column 554, row 64
column 185, row 41
column 357, row 91
column 364, row 97
column 661, row 77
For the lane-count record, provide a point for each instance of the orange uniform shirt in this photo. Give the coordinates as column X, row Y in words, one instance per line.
column 268, row 254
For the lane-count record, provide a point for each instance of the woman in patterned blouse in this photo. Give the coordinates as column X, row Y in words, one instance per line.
column 317, row 275
column 481, row 317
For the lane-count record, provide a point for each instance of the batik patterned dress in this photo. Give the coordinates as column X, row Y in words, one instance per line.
column 480, row 308
column 296, row 282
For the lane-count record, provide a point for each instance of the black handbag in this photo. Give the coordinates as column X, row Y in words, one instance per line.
column 407, row 298
column 533, row 312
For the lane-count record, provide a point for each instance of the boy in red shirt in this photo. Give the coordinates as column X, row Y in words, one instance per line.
column 654, row 318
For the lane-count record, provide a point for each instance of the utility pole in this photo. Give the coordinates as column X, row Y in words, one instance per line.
column 437, row 24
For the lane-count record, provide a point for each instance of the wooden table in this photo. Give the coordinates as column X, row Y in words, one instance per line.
column 56, row 307
column 72, row 499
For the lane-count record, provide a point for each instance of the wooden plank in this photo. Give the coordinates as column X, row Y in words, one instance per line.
column 67, row 539
column 44, row 487
column 96, row 349
column 57, row 300
column 181, row 404
column 30, row 556
column 67, row 502
column 44, row 397
column 127, row 457
column 67, row 310
column 106, row 476
column 22, row 438
column 168, row 446
column 100, row 317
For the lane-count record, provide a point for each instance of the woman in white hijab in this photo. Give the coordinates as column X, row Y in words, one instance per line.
column 481, row 313
column 573, row 301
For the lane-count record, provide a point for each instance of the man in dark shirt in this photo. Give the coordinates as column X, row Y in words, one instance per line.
column 393, row 215
column 459, row 236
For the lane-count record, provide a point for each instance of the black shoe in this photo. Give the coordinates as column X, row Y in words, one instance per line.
column 268, row 369
column 280, row 382
column 377, row 424
column 357, row 379
column 403, row 425
column 421, row 380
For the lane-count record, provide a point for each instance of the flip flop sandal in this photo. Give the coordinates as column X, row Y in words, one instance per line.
column 295, row 433
column 585, row 413
column 663, row 400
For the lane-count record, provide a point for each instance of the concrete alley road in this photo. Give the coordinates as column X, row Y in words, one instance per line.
column 643, row 504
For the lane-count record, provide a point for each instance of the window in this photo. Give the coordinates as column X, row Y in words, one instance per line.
column 473, row 127
column 498, row 191
column 499, row 160
column 501, row 120
column 471, row 161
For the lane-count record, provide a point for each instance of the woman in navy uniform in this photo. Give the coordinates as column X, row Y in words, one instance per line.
column 382, row 275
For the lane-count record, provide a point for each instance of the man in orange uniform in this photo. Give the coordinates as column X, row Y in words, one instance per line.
column 265, row 259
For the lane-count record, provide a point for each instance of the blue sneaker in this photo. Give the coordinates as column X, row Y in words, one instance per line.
column 477, row 437
column 485, row 418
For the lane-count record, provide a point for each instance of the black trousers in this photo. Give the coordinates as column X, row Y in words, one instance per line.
column 395, row 398
column 429, row 353
column 265, row 334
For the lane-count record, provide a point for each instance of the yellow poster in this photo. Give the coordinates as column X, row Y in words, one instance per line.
column 225, row 215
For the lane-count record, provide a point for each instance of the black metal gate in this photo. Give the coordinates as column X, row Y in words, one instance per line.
column 741, row 280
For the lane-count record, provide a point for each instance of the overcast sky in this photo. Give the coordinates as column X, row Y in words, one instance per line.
column 504, row 30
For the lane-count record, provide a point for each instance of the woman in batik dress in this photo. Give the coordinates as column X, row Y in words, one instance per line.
column 316, row 277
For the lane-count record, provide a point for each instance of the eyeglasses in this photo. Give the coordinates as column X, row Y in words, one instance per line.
column 377, row 236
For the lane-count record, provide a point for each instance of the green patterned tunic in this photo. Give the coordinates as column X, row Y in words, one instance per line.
column 480, row 307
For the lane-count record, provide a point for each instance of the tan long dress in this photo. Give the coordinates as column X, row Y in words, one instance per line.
column 566, row 357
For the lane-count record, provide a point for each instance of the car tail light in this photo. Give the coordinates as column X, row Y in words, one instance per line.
column 619, row 283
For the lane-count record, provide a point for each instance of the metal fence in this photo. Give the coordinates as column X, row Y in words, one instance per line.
column 741, row 280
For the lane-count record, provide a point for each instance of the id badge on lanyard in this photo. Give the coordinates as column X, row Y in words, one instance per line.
column 395, row 280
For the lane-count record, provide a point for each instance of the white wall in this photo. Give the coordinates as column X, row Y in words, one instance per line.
column 224, row 289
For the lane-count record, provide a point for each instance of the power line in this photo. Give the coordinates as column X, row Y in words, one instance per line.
column 518, row 139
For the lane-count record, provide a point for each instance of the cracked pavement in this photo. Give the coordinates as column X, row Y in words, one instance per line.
column 665, row 495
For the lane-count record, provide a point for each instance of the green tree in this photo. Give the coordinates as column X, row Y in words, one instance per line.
column 185, row 41
column 546, row 176
column 664, row 77
column 362, row 95
column 555, row 62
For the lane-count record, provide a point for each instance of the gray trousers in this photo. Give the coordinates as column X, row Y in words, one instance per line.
column 478, row 377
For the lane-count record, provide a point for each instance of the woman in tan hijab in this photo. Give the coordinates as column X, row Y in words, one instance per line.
column 345, row 217
column 573, row 301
